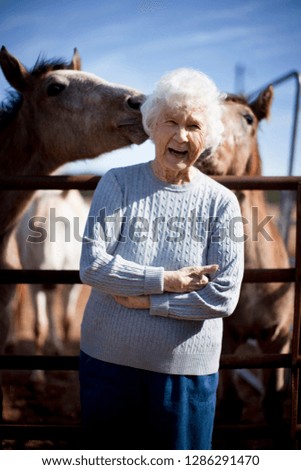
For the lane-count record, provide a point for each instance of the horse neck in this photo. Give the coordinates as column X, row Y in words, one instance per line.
column 21, row 153
column 18, row 156
column 264, row 247
column 254, row 165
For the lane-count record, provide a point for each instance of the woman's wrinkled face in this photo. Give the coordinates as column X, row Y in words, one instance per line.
column 178, row 135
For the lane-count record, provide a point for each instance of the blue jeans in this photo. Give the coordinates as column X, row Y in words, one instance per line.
column 128, row 408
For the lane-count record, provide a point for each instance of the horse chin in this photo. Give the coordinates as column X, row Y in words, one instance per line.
column 139, row 138
column 210, row 166
column 133, row 133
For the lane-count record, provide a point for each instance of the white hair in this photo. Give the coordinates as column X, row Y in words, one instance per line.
column 187, row 88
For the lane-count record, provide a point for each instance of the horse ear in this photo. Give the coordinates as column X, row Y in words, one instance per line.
column 14, row 72
column 76, row 62
column 263, row 103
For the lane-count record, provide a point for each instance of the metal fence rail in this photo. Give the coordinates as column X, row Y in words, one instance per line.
column 290, row 361
column 88, row 182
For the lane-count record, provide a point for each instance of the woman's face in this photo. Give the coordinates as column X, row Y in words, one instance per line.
column 178, row 135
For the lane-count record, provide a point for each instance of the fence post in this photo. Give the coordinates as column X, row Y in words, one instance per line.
column 295, row 371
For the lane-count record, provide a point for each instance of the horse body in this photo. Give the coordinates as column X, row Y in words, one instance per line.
column 264, row 311
column 57, row 114
column 49, row 237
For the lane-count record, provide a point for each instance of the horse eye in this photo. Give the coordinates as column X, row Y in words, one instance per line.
column 55, row 89
column 249, row 118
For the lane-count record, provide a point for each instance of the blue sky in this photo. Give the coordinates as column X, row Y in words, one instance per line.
column 135, row 41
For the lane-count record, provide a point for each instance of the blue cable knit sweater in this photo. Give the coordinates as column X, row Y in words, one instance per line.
column 138, row 227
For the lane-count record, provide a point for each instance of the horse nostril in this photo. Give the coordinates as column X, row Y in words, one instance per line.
column 135, row 102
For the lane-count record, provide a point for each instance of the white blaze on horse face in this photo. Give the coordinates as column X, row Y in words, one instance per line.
column 238, row 144
column 239, row 136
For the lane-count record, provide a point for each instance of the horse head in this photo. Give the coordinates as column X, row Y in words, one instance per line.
column 66, row 114
column 238, row 152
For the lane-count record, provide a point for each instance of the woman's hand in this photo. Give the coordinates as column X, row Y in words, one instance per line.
column 189, row 278
column 185, row 279
column 140, row 301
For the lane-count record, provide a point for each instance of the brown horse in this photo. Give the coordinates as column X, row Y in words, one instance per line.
column 264, row 311
column 56, row 114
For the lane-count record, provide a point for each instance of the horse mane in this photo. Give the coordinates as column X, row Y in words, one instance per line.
column 241, row 99
column 44, row 65
column 9, row 108
column 13, row 100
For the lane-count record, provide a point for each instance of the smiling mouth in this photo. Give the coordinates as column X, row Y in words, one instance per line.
column 178, row 153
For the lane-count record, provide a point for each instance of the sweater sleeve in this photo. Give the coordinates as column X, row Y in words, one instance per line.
column 220, row 296
column 112, row 274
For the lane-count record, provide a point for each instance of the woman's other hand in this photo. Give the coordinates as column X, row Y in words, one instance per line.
column 189, row 278
column 140, row 301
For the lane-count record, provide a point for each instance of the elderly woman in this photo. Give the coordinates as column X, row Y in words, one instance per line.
column 162, row 252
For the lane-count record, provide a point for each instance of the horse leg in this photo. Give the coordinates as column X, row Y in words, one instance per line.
column 70, row 296
column 44, row 318
column 53, row 340
column 16, row 309
column 38, row 299
column 229, row 403
column 6, row 297
column 4, row 330
column 275, row 380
